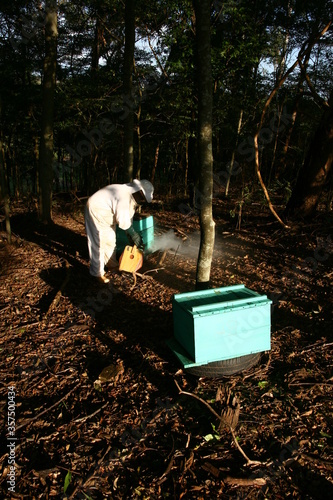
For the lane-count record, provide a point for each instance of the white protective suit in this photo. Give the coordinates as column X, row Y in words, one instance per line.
column 111, row 205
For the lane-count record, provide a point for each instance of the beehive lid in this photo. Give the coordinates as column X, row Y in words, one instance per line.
column 216, row 300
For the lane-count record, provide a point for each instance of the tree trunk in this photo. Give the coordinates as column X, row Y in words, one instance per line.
column 3, row 190
column 127, row 87
column 186, row 167
column 138, row 131
column 46, row 142
column 205, row 94
column 297, row 101
column 157, row 151
column 232, row 163
column 98, row 40
column 315, row 170
column 276, row 140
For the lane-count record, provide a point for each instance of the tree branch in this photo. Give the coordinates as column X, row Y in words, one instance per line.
column 156, row 57
column 223, row 421
column 313, row 91
column 304, row 52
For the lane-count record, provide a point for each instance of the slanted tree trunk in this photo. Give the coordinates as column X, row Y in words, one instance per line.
column 205, row 94
column 46, row 141
column 314, row 173
column 128, row 91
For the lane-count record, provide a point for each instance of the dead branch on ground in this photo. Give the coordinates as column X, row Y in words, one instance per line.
column 223, row 421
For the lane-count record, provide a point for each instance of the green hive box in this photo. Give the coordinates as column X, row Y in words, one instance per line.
column 221, row 323
column 143, row 225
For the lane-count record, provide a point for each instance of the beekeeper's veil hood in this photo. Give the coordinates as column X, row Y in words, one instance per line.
column 145, row 186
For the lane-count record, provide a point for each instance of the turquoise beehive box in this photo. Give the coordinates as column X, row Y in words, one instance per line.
column 222, row 323
column 143, row 225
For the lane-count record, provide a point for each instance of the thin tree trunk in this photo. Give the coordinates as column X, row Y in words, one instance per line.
column 298, row 99
column 18, row 183
column 138, row 131
column 138, row 170
column 186, row 167
column 49, row 82
column 232, row 163
column 4, row 192
column 98, row 40
column 128, row 91
column 282, row 63
column 152, row 178
column 205, row 113
column 272, row 165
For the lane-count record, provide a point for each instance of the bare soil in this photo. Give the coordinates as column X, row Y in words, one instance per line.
column 137, row 435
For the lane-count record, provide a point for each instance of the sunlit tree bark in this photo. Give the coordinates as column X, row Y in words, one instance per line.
column 205, row 94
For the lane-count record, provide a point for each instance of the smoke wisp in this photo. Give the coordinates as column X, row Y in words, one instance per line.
column 188, row 248
column 166, row 241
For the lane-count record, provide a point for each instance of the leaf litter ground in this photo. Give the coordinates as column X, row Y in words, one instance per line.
column 134, row 435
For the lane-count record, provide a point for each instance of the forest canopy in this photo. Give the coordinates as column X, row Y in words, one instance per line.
column 254, row 44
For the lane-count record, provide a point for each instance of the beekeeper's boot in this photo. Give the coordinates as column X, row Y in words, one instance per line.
column 103, row 279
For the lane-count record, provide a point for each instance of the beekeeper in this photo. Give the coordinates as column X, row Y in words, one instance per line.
column 111, row 206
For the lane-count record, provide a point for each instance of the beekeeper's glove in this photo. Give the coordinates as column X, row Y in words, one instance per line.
column 135, row 238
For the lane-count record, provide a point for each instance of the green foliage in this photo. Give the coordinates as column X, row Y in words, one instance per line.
column 214, row 436
column 68, row 480
column 252, row 44
column 211, row 437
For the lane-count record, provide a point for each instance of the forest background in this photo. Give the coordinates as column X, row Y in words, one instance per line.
column 226, row 107
column 272, row 82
